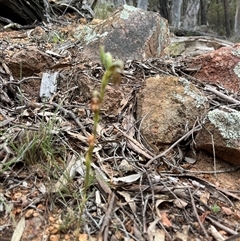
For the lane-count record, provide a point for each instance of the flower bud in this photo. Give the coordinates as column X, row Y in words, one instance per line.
column 108, row 60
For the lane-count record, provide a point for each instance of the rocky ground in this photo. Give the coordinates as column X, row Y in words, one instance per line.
column 43, row 146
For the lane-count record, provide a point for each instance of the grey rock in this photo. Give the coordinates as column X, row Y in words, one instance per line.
column 128, row 33
column 221, row 133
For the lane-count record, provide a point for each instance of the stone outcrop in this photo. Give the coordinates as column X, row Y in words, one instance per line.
column 29, row 61
column 221, row 67
column 221, row 133
column 168, row 107
column 128, row 33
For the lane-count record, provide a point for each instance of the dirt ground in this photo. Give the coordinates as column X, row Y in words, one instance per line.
column 127, row 201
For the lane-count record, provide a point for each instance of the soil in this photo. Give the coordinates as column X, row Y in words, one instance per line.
column 117, row 209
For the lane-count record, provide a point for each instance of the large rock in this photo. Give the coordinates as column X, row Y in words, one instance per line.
column 28, row 61
column 221, row 66
column 128, row 33
column 168, row 106
column 221, row 133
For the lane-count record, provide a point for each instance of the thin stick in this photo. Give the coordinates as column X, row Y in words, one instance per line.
column 140, row 150
column 219, row 225
column 72, row 115
column 233, row 238
column 223, row 96
column 197, row 128
column 196, row 214
column 107, row 217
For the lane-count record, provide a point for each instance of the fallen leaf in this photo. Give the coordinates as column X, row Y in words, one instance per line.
column 205, row 197
column 162, row 214
column 180, row 203
column 183, row 236
column 159, row 235
column 165, row 221
column 152, row 229
column 18, row 232
column 227, row 211
column 189, row 160
column 128, row 179
column 203, row 216
column 129, row 200
column 75, row 165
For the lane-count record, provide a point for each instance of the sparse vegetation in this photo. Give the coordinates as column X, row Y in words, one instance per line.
column 79, row 166
column 112, row 72
column 56, row 37
column 215, row 208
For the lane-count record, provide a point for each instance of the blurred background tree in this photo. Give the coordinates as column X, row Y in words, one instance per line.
column 186, row 17
column 216, row 17
column 237, row 22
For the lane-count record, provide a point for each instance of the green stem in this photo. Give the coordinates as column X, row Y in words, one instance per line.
column 88, row 158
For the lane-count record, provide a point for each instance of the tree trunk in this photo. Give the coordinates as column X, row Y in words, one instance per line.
column 143, row 4
column 227, row 23
column 190, row 19
column 164, row 11
column 118, row 3
column 176, row 13
column 203, row 6
column 237, row 21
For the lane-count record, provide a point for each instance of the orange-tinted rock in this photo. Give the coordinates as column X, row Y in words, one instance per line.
column 29, row 61
column 168, row 106
column 221, row 67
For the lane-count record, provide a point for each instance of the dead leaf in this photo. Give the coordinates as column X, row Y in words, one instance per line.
column 102, row 181
column 183, row 236
column 125, row 167
column 99, row 203
column 77, row 136
column 129, row 200
column 18, row 232
column 159, row 235
column 165, row 221
column 162, row 214
column 75, row 165
column 203, row 216
column 180, row 203
column 205, row 197
column 189, row 160
column 128, row 179
column 227, row 211
column 152, row 229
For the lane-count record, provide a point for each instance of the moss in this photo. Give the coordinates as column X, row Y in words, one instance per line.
column 175, row 49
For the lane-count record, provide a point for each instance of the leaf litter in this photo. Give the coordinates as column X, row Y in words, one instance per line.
column 135, row 194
